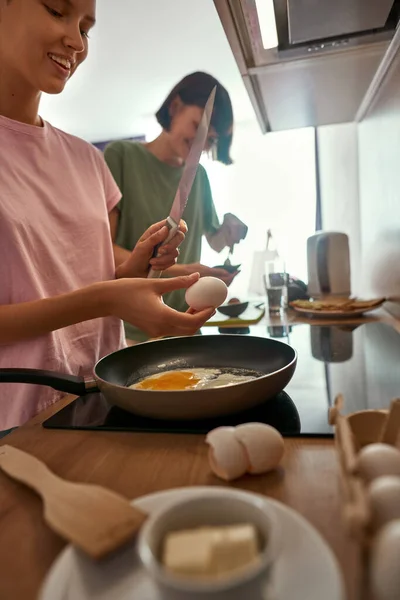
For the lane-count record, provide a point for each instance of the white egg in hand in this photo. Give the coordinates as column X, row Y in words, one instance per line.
column 207, row 292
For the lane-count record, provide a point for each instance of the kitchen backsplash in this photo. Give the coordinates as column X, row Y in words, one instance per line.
column 379, row 168
column 360, row 190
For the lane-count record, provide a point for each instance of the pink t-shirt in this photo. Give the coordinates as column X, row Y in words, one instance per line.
column 55, row 195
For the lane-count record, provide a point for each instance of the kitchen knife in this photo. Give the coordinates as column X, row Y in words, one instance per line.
column 188, row 175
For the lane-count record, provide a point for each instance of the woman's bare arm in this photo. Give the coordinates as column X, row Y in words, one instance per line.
column 32, row 319
column 138, row 301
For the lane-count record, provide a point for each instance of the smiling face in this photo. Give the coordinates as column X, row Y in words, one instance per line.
column 44, row 42
column 185, row 120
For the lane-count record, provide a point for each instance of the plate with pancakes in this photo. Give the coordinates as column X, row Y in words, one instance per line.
column 337, row 308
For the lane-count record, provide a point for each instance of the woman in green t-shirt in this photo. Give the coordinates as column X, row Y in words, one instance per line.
column 148, row 175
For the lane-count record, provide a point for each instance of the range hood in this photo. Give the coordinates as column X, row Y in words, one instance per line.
column 327, row 54
column 309, row 20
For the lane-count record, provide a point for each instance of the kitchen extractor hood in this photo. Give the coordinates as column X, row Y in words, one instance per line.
column 310, row 20
column 327, row 54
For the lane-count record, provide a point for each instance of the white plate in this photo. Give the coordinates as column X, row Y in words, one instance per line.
column 305, row 570
column 335, row 314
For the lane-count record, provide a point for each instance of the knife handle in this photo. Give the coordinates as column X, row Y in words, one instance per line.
column 154, row 274
column 173, row 228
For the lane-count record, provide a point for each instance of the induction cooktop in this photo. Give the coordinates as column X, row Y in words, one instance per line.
column 94, row 412
column 359, row 361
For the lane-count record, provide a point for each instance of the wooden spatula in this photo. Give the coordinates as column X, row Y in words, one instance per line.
column 95, row 519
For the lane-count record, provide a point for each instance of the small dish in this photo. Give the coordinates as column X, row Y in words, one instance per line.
column 228, row 268
column 227, row 507
column 355, row 308
column 233, row 310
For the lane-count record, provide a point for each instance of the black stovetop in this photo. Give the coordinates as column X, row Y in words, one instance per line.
column 93, row 412
column 359, row 361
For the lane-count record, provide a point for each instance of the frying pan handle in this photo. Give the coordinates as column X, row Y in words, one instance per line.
column 70, row 384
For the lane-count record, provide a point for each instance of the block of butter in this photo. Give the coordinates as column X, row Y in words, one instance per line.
column 210, row 551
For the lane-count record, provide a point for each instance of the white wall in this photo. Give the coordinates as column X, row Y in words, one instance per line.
column 270, row 185
column 379, row 151
column 360, row 175
column 138, row 51
column 339, row 177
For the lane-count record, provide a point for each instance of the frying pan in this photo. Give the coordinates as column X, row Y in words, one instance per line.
column 275, row 361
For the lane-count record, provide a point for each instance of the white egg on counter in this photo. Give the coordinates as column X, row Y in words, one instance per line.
column 375, row 460
column 263, row 444
column 207, row 292
column 384, row 566
column 226, row 457
column 384, row 499
column 248, row 448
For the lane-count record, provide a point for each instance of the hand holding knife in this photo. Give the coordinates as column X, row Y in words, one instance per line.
column 188, row 175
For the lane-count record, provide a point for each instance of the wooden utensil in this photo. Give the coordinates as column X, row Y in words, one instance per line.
column 352, row 433
column 356, row 512
column 390, row 434
column 93, row 518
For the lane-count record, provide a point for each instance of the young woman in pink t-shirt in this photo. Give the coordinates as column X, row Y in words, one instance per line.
column 63, row 292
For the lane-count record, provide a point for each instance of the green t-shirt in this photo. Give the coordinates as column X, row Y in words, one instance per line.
column 148, row 187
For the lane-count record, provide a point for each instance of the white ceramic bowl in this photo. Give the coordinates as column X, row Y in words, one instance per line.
column 218, row 506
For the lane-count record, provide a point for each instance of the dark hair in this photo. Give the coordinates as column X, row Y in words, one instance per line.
column 194, row 90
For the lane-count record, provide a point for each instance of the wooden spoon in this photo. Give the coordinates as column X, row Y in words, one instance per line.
column 93, row 518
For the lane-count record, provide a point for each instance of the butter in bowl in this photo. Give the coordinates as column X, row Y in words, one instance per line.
column 218, row 545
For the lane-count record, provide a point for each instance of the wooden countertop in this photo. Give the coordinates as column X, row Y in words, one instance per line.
column 136, row 464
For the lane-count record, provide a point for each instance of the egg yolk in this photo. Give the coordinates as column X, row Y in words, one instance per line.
column 179, row 380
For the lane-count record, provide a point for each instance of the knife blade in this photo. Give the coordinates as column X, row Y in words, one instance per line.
column 188, row 175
